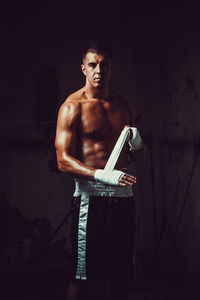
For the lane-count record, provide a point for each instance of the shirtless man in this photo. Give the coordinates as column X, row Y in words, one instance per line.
column 89, row 124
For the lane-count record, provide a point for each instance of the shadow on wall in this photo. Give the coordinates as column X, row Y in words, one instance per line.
column 46, row 94
column 29, row 264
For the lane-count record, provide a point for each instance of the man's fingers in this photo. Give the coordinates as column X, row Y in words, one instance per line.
column 124, row 169
column 127, row 179
column 121, row 184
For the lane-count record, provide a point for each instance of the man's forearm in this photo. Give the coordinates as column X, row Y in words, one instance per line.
column 75, row 167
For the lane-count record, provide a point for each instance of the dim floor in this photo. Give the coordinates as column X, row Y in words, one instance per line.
column 54, row 288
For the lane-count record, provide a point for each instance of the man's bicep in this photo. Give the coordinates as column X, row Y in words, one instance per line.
column 66, row 142
column 66, row 135
column 128, row 107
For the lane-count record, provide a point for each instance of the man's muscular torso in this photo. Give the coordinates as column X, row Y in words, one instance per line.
column 98, row 125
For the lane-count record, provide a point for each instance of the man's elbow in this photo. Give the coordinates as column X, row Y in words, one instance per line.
column 62, row 161
column 63, row 166
column 142, row 153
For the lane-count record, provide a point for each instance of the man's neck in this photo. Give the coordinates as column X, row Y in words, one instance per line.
column 96, row 93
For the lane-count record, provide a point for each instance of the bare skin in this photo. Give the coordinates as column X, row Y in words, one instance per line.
column 89, row 124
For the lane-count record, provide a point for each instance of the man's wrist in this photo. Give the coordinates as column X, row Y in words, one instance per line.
column 135, row 142
column 108, row 177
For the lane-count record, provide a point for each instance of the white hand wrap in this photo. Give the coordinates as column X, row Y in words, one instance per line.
column 136, row 140
column 108, row 177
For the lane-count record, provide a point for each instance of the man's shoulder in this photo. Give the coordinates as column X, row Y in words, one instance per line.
column 75, row 97
column 121, row 99
column 125, row 105
column 114, row 95
column 73, row 101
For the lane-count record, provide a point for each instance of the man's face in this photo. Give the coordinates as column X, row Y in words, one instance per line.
column 97, row 69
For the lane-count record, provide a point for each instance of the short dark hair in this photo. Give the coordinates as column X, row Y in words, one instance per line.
column 97, row 47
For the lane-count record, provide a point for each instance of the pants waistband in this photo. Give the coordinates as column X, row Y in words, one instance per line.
column 96, row 188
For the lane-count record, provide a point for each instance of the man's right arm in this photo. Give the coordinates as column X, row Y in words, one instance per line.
column 66, row 142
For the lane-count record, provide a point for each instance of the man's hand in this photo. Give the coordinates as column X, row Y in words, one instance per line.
column 115, row 177
column 127, row 179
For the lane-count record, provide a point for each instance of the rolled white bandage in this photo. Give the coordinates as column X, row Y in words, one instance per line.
column 108, row 177
column 124, row 137
column 136, row 140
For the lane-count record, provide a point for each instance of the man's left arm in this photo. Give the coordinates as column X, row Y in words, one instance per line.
column 137, row 147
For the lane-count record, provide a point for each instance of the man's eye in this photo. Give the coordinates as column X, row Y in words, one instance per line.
column 92, row 65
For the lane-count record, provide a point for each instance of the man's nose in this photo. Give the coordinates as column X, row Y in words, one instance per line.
column 98, row 68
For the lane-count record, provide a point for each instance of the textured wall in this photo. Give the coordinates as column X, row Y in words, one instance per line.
column 168, row 86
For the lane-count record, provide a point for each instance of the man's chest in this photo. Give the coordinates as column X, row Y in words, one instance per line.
column 103, row 119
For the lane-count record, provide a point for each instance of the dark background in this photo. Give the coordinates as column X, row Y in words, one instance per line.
column 156, row 66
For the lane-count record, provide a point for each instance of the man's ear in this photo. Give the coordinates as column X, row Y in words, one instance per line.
column 83, row 69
